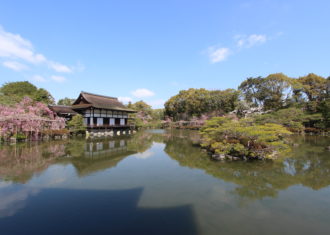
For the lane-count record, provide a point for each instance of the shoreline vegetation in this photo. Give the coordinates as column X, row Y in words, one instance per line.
column 250, row 122
column 243, row 139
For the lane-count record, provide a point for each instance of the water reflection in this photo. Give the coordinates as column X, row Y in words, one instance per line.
column 99, row 211
column 14, row 198
column 160, row 179
column 308, row 164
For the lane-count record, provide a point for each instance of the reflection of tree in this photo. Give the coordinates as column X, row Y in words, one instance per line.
column 140, row 142
column 308, row 165
column 312, row 162
column 19, row 162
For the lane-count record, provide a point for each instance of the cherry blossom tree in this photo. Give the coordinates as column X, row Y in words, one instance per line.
column 28, row 118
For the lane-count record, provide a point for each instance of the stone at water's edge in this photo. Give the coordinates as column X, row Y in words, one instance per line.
column 219, row 156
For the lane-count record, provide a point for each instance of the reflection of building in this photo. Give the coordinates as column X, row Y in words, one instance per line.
column 101, row 111
column 101, row 155
column 93, row 149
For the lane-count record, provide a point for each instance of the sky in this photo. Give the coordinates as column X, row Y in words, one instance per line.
column 150, row 50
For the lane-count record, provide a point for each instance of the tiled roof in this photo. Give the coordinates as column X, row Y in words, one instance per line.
column 62, row 109
column 100, row 101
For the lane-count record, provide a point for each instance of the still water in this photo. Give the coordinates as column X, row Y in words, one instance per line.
column 160, row 182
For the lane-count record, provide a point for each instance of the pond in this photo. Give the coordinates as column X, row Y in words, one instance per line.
column 161, row 182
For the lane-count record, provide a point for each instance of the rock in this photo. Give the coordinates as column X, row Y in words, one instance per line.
column 328, row 148
column 295, row 145
column 229, row 157
column 235, row 158
column 218, row 156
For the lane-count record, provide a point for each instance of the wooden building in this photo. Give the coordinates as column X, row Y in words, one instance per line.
column 63, row 111
column 102, row 112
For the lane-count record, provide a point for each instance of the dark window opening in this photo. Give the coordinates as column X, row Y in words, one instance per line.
column 106, row 121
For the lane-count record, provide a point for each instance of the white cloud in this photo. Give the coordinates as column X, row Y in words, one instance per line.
column 14, row 65
column 140, row 93
column 218, row 54
column 38, row 78
column 15, row 47
column 250, row 40
column 58, row 78
column 125, row 100
column 61, row 68
column 144, row 155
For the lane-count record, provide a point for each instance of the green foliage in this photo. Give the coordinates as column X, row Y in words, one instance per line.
column 314, row 88
column 42, row 95
column 146, row 117
column 267, row 92
column 66, row 101
column 325, row 110
column 76, row 124
column 294, row 103
column 290, row 117
column 196, row 102
column 141, row 106
column 20, row 136
column 13, row 92
column 157, row 114
column 244, row 138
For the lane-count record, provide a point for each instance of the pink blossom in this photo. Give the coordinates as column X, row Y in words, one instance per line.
column 29, row 118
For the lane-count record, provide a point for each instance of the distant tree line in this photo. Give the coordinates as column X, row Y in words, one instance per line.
column 279, row 96
column 196, row 102
column 146, row 116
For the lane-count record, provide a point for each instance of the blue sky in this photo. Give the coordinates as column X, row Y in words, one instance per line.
column 152, row 49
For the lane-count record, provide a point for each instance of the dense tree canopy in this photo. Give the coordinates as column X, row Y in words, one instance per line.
column 271, row 92
column 278, row 91
column 146, row 116
column 293, row 102
column 66, row 101
column 14, row 92
column 141, row 106
column 196, row 102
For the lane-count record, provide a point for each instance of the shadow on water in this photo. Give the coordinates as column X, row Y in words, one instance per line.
column 96, row 212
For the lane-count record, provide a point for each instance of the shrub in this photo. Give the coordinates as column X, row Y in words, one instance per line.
column 243, row 138
column 76, row 124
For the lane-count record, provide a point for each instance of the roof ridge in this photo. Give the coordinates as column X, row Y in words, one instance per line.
column 59, row 105
column 111, row 97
